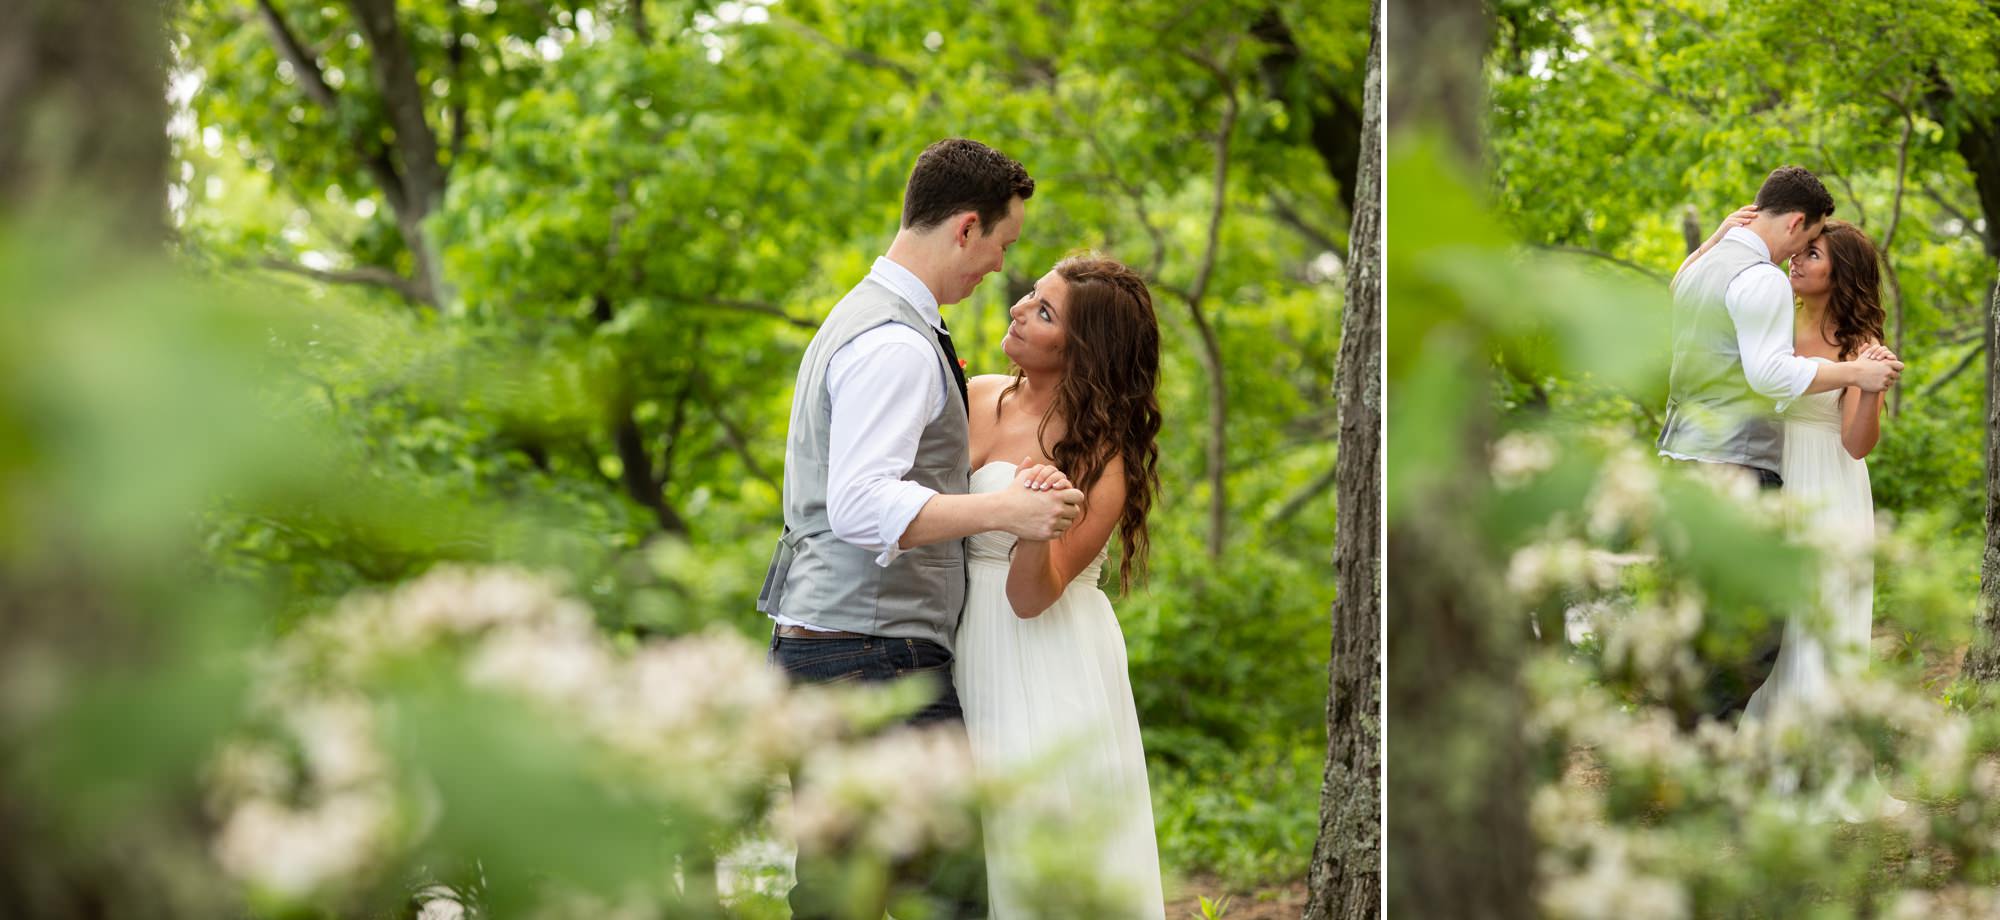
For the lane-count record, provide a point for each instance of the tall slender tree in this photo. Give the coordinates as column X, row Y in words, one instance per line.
column 1345, row 877
column 1982, row 662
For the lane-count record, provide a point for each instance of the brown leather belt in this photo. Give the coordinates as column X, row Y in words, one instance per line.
column 800, row 632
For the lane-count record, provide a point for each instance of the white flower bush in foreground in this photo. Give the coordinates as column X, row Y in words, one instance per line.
column 1641, row 819
column 699, row 729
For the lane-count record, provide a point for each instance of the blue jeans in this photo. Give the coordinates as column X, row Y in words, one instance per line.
column 873, row 659
column 950, row 885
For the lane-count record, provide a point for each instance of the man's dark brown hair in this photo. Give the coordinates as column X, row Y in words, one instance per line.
column 1794, row 190
column 956, row 175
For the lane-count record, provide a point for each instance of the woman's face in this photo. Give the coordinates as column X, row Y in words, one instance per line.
column 1035, row 337
column 1812, row 271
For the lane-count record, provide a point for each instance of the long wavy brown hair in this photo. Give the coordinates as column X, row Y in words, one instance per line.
column 1107, row 395
column 1854, row 307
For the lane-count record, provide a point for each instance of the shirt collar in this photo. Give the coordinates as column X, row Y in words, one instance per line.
column 909, row 287
column 1752, row 240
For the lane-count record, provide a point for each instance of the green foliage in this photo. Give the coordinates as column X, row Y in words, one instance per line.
column 1249, row 816
column 646, row 208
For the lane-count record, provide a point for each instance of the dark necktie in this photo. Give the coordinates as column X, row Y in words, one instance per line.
column 951, row 358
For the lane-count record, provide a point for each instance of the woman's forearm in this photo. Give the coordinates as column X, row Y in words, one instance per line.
column 1861, row 429
column 1032, row 580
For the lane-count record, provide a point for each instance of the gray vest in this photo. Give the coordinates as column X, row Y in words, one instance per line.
column 815, row 577
column 1712, row 414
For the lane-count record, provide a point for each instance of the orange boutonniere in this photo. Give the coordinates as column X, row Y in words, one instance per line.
column 961, row 364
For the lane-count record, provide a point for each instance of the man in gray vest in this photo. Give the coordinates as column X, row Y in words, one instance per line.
column 868, row 581
column 1734, row 369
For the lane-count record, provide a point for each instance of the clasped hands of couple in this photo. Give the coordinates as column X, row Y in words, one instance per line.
column 1042, row 503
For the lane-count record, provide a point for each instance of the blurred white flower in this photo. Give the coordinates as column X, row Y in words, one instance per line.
column 698, row 727
column 244, row 769
column 1540, row 567
column 439, row 902
column 1519, row 456
column 1626, row 495
column 338, row 738
column 1958, row 902
column 893, row 794
column 543, row 662
column 1611, row 887
column 1655, row 641
column 296, row 852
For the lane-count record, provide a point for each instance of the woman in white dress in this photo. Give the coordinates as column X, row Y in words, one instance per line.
column 1041, row 669
column 1827, row 438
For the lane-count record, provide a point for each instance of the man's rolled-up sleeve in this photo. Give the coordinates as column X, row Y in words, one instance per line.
column 883, row 389
column 1760, row 304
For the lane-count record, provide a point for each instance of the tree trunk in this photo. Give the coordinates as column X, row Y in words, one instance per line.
column 83, row 167
column 416, row 144
column 1211, row 346
column 1458, row 806
column 1978, row 138
column 83, row 109
column 1344, row 880
column 634, row 461
column 1979, row 144
column 1983, row 661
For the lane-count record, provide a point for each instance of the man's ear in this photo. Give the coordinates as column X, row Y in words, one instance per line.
column 967, row 222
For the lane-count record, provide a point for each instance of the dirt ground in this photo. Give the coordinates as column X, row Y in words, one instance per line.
column 1287, row 902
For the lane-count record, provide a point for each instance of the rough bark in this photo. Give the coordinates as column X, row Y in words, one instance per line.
column 1458, row 830
column 1344, row 880
column 1983, row 661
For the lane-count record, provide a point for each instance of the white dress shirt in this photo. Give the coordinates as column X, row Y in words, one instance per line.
column 1759, row 302
column 884, row 389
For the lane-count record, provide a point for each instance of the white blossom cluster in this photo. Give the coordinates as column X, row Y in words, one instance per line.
column 1958, row 902
column 316, row 805
column 1519, row 456
column 288, row 829
column 894, row 794
column 1808, row 771
column 1597, row 876
column 1690, row 804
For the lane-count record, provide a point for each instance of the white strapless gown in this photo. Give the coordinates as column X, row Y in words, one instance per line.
column 1829, row 636
column 1050, row 697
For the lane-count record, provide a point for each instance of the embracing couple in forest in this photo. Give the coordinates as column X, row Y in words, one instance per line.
column 1782, row 371
column 953, row 530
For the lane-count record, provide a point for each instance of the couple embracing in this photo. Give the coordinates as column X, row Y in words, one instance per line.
column 953, row 530
column 1781, row 371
